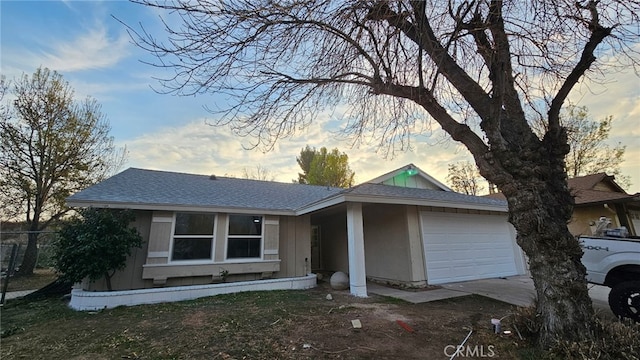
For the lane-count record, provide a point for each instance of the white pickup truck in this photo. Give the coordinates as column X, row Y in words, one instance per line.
column 615, row 262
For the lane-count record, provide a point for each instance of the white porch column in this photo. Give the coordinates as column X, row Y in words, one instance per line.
column 355, row 238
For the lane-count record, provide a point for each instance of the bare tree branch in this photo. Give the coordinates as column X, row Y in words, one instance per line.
column 482, row 70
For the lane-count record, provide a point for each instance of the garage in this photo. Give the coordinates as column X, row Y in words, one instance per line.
column 461, row 247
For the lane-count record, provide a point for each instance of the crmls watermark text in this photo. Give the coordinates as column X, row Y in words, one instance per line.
column 455, row 351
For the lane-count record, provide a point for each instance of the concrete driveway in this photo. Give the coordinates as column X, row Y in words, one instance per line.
column 516, row 290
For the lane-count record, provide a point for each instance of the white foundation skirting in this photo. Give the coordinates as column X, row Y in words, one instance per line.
column 97, row 300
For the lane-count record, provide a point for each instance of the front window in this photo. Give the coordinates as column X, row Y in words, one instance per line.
column 245, row 236
column 193, row 236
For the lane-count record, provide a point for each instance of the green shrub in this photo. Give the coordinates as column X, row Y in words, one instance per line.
column 95, row 244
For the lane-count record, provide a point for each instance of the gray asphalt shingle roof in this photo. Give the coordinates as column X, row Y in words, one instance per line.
column 382, row 190
column 150, row 187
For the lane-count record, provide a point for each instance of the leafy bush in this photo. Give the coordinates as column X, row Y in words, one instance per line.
column 46, row 255
column 95, row 244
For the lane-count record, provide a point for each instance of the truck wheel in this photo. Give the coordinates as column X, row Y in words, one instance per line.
column 624, row 300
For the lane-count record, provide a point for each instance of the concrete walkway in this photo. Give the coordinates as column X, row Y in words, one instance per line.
column 414, row 297
column 17, row 294
column 516, row 290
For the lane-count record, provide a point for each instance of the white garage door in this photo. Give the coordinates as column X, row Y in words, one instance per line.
column 460, row 247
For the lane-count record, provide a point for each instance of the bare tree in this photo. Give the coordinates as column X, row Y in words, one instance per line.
column 260, row 173
column 50, row 147
column 480, row 69
column 590, row 153
column 465, row 178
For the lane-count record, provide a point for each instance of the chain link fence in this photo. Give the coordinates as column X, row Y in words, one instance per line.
column 13, row 245
column 19, row 239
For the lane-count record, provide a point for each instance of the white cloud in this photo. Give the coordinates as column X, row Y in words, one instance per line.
column 200, row 148
column 619, row 97
column 94, row 49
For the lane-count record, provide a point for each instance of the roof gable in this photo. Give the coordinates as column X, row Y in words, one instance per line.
column 599, row 181
column 410, row 176
column 585, row 182
column 598, row 188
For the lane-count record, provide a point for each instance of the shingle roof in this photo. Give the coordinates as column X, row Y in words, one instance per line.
column 584, row 197
column 369, row 189
column 585, row 191
column 587, row 181
column 583, row 188
column 149, row 187
column 139, row 188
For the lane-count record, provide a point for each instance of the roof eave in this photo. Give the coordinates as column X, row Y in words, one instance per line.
column 632, row 200
column 178, row 207
column 424, row 202
column 343, row 198
column 322, row 204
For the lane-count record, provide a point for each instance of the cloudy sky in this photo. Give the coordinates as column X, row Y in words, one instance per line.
column 83, row 41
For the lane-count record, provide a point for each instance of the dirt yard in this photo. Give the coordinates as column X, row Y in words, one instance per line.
column 262, row 325
column 396, row 329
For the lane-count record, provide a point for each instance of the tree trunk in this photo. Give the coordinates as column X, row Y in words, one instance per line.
column 540, row 210
column 107, row 279
column 30, row 255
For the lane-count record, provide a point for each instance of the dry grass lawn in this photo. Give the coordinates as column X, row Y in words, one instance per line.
column 39, row 279
column 261, row 325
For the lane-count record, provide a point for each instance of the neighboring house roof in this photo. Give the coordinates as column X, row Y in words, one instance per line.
column 158, row 190
column 592, row 189
column 161, row 190
column 591, row 182
column 598, row 188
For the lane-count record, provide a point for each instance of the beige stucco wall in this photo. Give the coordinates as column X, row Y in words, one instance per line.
column 393, row 250
column 392, row 243
column 416, row 247
column 295, row 246
column 335, row 251
column 582, row 216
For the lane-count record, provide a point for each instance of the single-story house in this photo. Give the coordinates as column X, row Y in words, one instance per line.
column 597, row 196
column 228, row 234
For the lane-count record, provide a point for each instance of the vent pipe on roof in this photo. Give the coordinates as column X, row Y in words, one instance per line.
column 213, row 177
